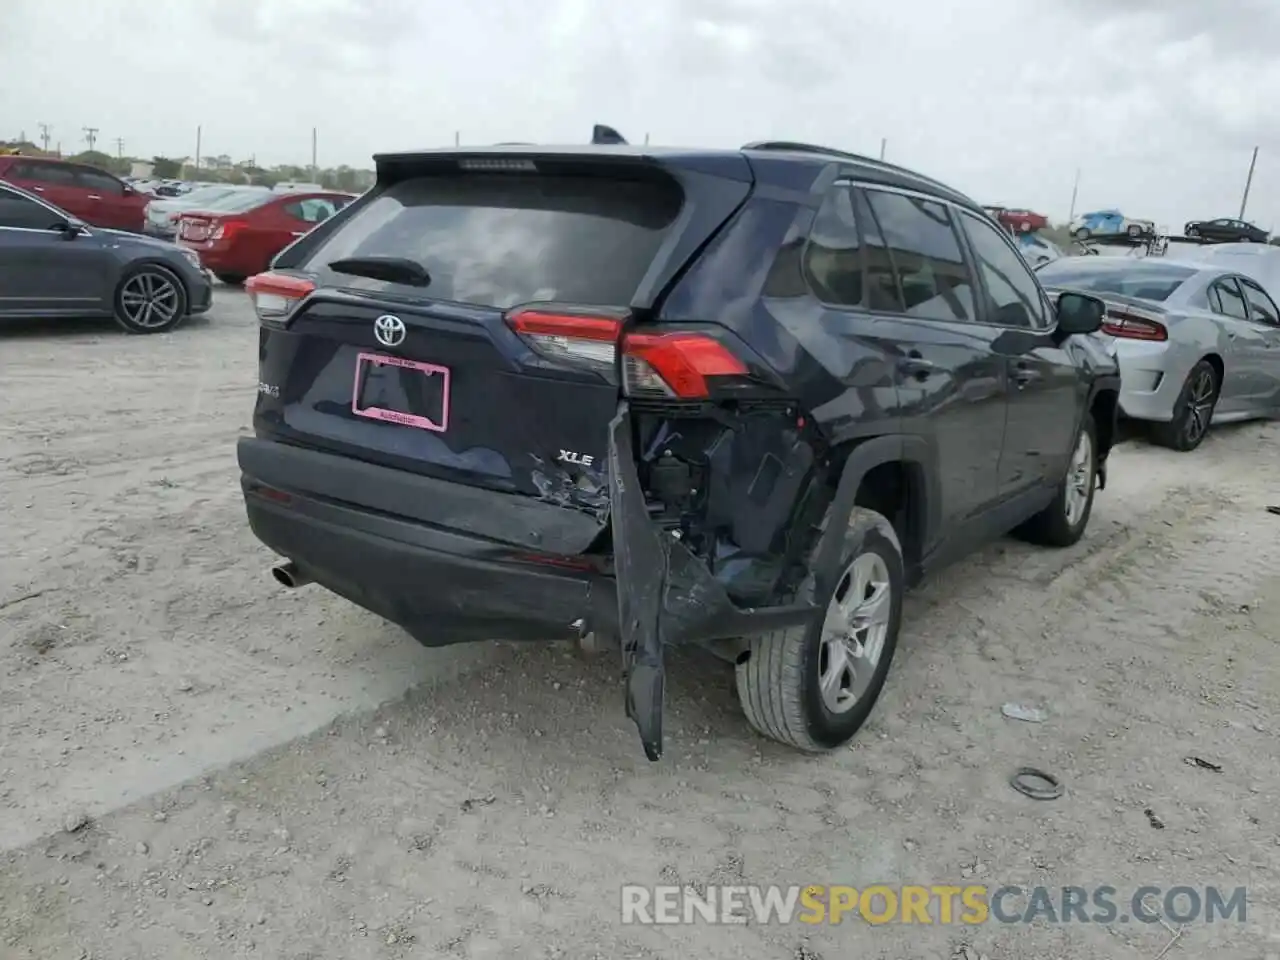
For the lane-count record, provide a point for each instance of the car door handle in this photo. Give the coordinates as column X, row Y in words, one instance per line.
column 94, row 196
column 300, row 233
column 37, row 189
column 915, row 365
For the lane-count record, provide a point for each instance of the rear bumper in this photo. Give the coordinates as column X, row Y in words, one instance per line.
column 1151, row 376
column 451, row 563
column 443, row 584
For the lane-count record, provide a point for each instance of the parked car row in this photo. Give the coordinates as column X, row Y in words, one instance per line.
column 87, row 193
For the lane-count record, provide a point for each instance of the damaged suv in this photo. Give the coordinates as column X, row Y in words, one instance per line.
column 737, row 398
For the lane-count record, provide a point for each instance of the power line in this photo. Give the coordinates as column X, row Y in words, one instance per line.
column 44, row 136
column 120, row 148
column 91, row 137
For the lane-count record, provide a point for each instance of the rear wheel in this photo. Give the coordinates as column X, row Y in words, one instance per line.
column 1082, row 233
column 1134, row 230
column 1193, row 232
column 813, row 687
column 150, row 299
column 1063, row 522
column 230, row 279
column 1193, row 412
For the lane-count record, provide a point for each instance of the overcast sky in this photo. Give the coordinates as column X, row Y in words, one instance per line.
column 1159, row 106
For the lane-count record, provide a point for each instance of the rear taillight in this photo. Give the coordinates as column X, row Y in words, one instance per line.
column 586, row 339
column 673, row 365
column 224, row 229
column 274, row 295
column 1130, row 325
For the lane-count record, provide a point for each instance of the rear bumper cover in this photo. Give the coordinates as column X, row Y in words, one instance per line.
column 451, row 563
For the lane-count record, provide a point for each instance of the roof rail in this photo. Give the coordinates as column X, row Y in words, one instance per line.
column 796, row 147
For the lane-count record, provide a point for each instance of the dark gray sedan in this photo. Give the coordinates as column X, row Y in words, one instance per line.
column 53, row 265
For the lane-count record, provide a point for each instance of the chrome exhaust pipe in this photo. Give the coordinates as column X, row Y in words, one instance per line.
column 288, row 575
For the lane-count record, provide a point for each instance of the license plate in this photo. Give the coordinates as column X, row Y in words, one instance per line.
column 407, row 392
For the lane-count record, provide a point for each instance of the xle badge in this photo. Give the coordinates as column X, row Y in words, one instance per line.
column 578, row 459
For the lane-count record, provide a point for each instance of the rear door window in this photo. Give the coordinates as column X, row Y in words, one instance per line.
column 503, row 239
column 1261, row 307
column 935, row 281
column 54, row 174
column 98, row 182
column 1225, row 298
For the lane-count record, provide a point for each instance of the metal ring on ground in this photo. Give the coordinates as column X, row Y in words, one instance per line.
column 1024, row 779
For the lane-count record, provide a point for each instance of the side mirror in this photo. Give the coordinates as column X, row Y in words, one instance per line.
column 127, row 190
column 1079, row 313
column 72, row 229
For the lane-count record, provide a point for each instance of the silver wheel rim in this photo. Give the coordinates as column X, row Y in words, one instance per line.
column 853, row 632
column 1199, row 405
column 1079, row 479
column 149, row 300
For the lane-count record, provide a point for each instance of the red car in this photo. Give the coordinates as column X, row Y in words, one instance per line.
column 93, row 195
column 243, row 233
column 1018, row 220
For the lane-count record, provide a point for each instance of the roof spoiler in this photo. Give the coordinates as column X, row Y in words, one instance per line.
column 602, row 134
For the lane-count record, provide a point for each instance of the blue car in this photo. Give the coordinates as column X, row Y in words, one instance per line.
column 1110, row 223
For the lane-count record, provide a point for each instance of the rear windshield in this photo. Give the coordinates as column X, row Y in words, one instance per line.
column 239, row 201
column 1147, row 281
column 498, row 240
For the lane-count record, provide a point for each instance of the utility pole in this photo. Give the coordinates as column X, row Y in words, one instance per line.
column 44, row 136
column 315, row 169
column 646, row 139
column 119, row 148
column 884, row 144
column 457, row 138
column 1075, row 190
column 199, row 130
column 91, row 137
column 1244, row 201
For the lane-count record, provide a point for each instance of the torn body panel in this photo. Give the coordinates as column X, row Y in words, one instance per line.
column 707, row 557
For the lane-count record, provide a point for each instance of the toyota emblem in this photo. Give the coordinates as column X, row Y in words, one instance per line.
column 389, row 330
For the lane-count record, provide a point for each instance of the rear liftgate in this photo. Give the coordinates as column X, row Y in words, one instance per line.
column 721, row 526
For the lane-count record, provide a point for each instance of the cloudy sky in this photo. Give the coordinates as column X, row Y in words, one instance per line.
column 1158, row 102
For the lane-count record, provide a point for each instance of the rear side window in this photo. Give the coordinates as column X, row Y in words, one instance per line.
column 1261, row 306
column 833, row 261
column 934, row 279
column 312, row 210
column 502, row 240
column 52, row 173
column 1225, row 298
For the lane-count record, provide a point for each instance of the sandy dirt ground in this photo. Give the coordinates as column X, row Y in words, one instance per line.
column 195, row 763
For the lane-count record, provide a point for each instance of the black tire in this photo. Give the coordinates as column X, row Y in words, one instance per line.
column 1193, row 232
column 1082, row 233
column 1134, row 230
column 230, row 279
column 1193, row 412
column 1055, row 525
column 778, row 683
column 150, row 299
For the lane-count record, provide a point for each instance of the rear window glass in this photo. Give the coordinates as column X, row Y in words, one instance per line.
column 1147, row 281
column 239, row 202
column 501, row 240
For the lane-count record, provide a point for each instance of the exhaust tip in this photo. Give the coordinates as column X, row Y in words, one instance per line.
column 288, row 575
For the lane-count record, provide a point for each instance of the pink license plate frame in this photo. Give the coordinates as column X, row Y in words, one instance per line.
column 363, row 360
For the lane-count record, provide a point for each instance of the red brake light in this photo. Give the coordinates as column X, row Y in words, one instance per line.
column 1131, row 326
column 223, row 229
column 675, row 364
column 274, row 295
column 669, row 365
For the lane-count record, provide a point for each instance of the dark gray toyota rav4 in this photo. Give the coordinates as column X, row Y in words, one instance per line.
column 739, row 398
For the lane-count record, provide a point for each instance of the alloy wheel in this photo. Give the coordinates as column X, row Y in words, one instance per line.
column 1200, row 400
column 150, row 299
column 1079, row 479
column 853, row 632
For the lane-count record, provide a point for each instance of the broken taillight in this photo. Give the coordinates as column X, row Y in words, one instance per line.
column 1132, row 325
column 274, row 295
column 672, row 365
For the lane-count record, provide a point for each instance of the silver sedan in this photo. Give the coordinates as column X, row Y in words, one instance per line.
column 1196, row 342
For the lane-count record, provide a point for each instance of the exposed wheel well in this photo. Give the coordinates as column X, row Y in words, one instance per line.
column 895, row 490
column 1219, row 367
column 1103, row 409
